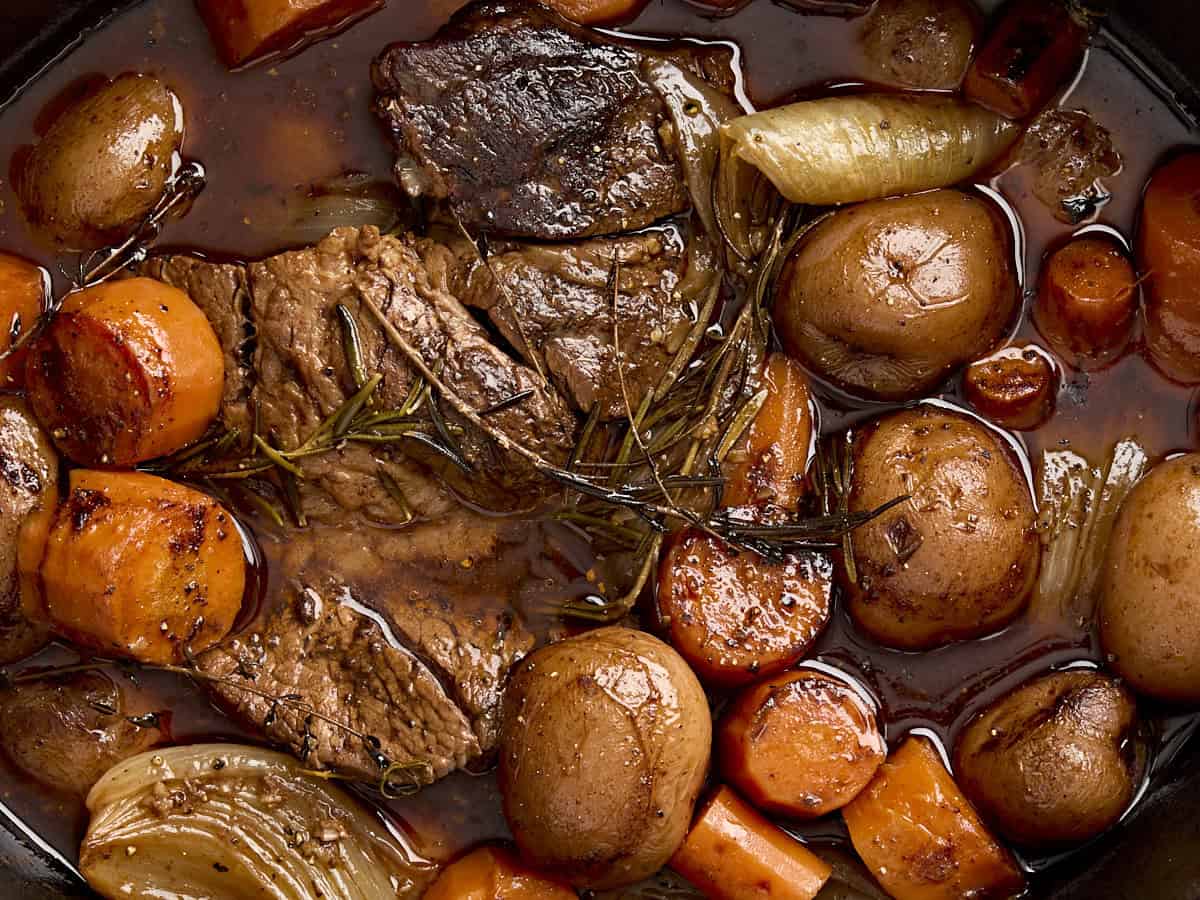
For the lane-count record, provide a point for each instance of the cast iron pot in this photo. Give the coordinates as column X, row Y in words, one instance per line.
column 1153, row 855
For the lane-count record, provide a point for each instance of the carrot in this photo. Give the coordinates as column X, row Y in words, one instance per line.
column 22, row 299
column 597, row 12
column 736, row 617
column 920, row 837
column 733, row 853
column 491, row 873
column 32, row 538
column 768, row 468
column 1015, row 387
column 800, row 745
column 128, row 371
column 1169, row 258
column 142, row 567
column 1087, row 302
column 245, row 30
column 1033, row 51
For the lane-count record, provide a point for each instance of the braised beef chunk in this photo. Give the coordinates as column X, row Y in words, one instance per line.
column 28, row 477
column 220, row 291
column 554, row 303
column 531, row 126
column 404, row 636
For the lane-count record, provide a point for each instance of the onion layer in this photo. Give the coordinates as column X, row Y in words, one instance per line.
column 854, row 148
column 222, row 820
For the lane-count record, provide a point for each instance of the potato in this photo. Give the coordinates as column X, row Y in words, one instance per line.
column 919, row 44
column 28, row 494
column 72, row 730
column 1149, row 605
column 886, row 298
column 604, row 744
column 1054, row 762
column 141, row 567
column 128, row 371
column 959, row 558
column 103, row 164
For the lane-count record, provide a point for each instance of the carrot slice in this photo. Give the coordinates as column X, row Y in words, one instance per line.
column 244, row 30
column 22, row 298
column 733, row 853
column 142, row 567
column 1015, row 387
column 801, row 744
column 596, row 12
column 491, row 873
column 920, row 837
column 128, row 371
column 768, row 468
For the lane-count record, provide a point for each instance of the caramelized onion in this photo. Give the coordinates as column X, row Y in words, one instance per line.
column 848, row 149
column 223, row 820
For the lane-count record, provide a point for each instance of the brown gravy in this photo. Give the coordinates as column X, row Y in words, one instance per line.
column 265, row 133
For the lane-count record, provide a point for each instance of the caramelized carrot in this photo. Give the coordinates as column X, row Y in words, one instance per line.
column 1030, row 54
column 733, row 853
column 768, row 468
column 1087, row 302
column 801, row 744
column 596, row 12
column 736, row 617
column 22, row 298
column 920, row 837
column 128, row 371
column 1169, row 258
column 244, row 30
column 1014, row 387
column 142, row 567
column 491, row 873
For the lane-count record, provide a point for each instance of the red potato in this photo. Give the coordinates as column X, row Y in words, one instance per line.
column 128, row 371
column 1030, row 54
column 1015, row 387
column 800, row 745
column 22, row 299
column 735, row 617
column 245, row 30
column 767, row 470
column 1169, row 259
column 142, row 567
column 1087, row 302
column 491, row 873
column 733, row 853
column 920, row 837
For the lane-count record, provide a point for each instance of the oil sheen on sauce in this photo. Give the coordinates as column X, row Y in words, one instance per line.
column 267, row 133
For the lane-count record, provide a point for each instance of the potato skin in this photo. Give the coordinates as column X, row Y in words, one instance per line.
column 142, row 567
column 886, row 298
column 604, row 745
column 960, row 557
column 1054, row 762
column 920, row 44
column 103, row 164
column 1149, row 608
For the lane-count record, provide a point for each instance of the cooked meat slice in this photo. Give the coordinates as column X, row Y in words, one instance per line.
column 219, row 289
column 303, row 375
column 402, row 636
column 554, row 304
column 28, row 483
column 531, row 126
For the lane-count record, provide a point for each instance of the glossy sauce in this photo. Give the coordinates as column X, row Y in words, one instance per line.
column 265, row 134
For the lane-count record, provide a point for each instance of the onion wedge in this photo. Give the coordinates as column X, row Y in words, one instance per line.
column 854, row 148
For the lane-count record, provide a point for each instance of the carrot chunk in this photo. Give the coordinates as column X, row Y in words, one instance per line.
column 801, row 744
column 491, row 873
column 920, row 837
column 1031, row 53
column 733, row 853
column 768, row 468
column 244, row 30
column 142, row 567
column 128, row 371
column 1015, row 387
column 22, row 298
